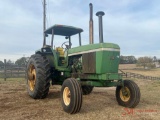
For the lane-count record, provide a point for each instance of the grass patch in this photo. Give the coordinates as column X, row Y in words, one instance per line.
column 12, row 80
column 1, row 75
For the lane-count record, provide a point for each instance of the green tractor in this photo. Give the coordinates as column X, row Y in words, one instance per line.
column 78, row 69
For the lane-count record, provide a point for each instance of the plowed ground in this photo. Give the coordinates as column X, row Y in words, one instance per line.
column 101, row 104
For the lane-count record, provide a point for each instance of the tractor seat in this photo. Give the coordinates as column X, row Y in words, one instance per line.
column 60, row 51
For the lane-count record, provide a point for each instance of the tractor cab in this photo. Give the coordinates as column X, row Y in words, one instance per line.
column 67, row 32
column 63, row 30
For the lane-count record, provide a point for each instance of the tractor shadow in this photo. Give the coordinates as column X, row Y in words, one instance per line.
column 54, row 93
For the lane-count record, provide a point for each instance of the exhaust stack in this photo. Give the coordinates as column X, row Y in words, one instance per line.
column 91, row 40
column 100, row 14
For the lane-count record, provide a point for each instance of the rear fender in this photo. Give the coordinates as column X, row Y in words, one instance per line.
column 50, row 54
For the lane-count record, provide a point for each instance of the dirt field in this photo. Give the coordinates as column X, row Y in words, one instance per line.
column 139, row 70
column 101, row 104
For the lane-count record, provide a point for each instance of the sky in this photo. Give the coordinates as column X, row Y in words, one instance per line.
column 132, row 24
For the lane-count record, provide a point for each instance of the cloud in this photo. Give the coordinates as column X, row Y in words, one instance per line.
column 19, row 29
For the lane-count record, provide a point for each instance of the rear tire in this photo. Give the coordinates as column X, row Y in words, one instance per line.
column 129, row 96
column 38, row 76
column 71, row 96
column 87, row 89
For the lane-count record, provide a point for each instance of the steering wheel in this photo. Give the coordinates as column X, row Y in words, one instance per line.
column 66, row 45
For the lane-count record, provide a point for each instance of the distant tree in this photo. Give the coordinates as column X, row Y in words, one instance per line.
column 1, row 64
column 127, row 60
column 22, row 61
column 146, row 62
column 9, row 62
column 154, row 59
column 132, row 59
column 158, row 61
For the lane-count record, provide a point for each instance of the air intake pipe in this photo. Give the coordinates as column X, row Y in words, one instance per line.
column 91, row 40
column 100, row 14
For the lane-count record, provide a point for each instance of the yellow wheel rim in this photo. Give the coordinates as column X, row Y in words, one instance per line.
column 66, row 96
column 32, row 77
column 125, row 94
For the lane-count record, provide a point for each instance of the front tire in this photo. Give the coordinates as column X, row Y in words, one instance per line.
column 71, row 96
column 38, row 76
column 129, row 95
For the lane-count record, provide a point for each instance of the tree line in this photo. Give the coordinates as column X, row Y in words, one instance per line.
column 19, row 62
column 146, row 62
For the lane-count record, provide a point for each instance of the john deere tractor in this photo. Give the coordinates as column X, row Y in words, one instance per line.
column 78, row 69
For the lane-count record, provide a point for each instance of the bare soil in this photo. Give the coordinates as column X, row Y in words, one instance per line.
column 101, row 104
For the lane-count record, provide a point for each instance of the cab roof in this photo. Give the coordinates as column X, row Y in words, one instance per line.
column 63, row 30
